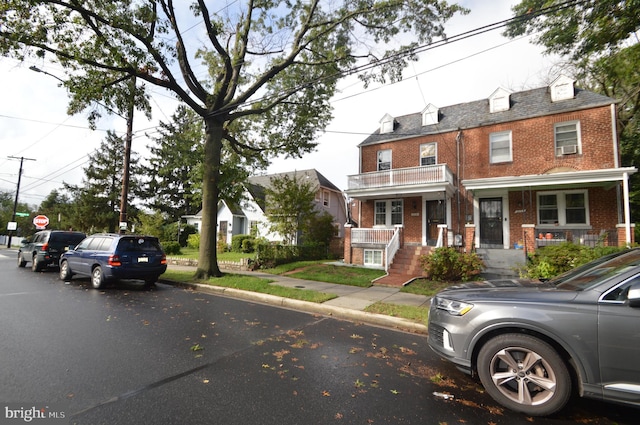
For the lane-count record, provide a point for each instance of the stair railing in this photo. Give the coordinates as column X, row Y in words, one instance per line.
column 392, row 248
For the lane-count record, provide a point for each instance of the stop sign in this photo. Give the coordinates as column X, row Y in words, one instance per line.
column 41, row 221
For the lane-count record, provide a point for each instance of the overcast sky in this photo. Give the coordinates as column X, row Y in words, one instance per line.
column 34, row 123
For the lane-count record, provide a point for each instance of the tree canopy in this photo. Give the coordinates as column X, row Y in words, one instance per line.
column 578, row 29
column 260, row 73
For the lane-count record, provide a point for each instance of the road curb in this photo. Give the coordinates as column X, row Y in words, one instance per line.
column 309, row 307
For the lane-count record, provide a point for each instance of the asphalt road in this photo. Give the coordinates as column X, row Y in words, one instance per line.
column 125, row 355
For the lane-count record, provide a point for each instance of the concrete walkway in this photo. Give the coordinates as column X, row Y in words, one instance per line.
column 349, row 303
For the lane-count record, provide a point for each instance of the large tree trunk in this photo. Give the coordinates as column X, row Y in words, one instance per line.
column 207, row 258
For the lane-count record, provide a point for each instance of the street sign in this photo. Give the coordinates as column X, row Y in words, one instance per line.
column 41, row 221
column 22, row 214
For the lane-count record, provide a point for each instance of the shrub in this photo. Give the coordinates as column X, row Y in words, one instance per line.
column 447, row 264
column 248, row 245
column 552, row 260
column 171, row 248
column 193, row 241
column 237, row 242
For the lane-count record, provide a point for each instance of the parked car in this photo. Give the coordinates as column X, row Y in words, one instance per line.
column 533, row 345
column 44, row 248
column 108, row 257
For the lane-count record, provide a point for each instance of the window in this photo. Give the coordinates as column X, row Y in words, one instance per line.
column 430, row 115
column 372, row 257
column 389, row 213
column 500, row 146
column 563, row 208
column 386, row 124
column 325, row 198
column 384, row 160
column 428, row 154
column 567, row 138
column 381, row 213
column 499, row 100
column 396, row 212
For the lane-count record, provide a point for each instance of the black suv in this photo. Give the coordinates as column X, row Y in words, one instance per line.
column 45, row 247
column 108, row 257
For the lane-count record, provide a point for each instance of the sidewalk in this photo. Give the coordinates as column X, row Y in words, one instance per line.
column 349, row 303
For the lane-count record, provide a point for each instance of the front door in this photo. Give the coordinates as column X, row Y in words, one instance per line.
column 491, row 223
column 436, row 214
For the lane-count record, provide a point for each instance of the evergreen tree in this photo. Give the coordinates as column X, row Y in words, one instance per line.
column 174, row 172
column 96, row 202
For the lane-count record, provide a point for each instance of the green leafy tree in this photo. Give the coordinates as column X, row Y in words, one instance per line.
column 96, row 202
column 25, row 224
column 290, row 205
column 270, row 67
column 579, row 30
column 56, row 206
column 599, row 38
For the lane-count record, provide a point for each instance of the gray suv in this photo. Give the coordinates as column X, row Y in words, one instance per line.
column 44, row 248
column 534, row 344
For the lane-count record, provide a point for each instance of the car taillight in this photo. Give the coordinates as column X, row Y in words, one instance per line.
column 45, row 246
column 164, row 260
column 114, row 260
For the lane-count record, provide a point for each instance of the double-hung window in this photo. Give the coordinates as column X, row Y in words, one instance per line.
column 500, row 147
column 389, row 213
column 428, row 154
column 567, row 138
column 384, row 160
column 568, row 208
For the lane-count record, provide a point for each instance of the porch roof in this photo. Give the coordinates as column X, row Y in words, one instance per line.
column 581, row 178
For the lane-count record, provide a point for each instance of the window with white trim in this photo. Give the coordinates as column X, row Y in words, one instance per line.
column 428, row 154
column 372, row 257
column 389, row 213
column 384, row 160
column 326, row 196
column 568, row 208
column 500, row 147
column 567, row 138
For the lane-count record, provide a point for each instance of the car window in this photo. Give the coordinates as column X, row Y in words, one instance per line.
column 621, row 292
column 95, row 244
column 139, row 245
column 602, row 271
column 105, row 245
column 84, row 244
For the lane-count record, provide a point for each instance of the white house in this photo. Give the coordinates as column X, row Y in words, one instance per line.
column 249, row 217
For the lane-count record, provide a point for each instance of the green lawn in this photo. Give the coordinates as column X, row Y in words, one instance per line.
column 321, row 271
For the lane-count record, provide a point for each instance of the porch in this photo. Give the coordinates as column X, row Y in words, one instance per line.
column 401, row 180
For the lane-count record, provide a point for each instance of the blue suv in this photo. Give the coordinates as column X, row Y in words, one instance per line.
column 108, row 257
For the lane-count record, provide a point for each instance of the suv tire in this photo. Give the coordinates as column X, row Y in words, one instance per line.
column 36, row 265
column 97, row 278
column 524, row 374
column 21, row 261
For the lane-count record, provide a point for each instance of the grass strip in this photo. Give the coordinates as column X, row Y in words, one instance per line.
column 253, row 284
column 354, row 276
column 416, row 314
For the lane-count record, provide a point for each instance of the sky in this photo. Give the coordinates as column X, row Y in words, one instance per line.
column 34, row 124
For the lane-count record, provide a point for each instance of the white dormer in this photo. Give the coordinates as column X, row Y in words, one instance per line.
column 499, row 100
column 386, row 124
column 430, row 114
column 562, row 88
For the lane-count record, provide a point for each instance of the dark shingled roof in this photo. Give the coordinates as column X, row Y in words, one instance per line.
column 313, row 175
column 523, row 105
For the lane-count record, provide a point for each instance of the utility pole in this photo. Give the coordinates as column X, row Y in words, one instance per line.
column 127, row 157
column 15, row 203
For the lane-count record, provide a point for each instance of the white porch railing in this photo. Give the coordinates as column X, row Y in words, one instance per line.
column 371, row 236
column 401, row 177
column 390, row 238
column 392, row 247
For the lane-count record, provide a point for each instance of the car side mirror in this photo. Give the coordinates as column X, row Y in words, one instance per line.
column 634, row 295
